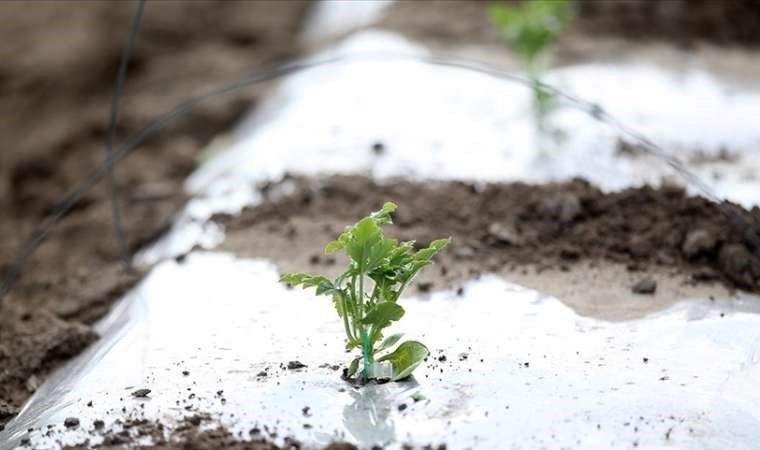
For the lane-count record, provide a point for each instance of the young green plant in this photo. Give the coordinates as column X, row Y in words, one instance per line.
column 366, row 296
column 530, row 29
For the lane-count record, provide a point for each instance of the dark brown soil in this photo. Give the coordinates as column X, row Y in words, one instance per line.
column 515, row 225
column 685, row 22
column 191, row 437
column 59, row 64
column 194, row 432
column 680, row 21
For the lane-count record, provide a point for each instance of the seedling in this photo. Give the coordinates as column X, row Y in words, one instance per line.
column 366, row 295
column 531, row 29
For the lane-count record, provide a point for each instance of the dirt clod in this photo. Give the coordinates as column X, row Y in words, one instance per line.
column 425, row 286
column 378, row 148
column 740, row 265
column 295, row 365
column 644, row 286
column 341, row 446
column 563, row 207
column 699, row 242
column 141, row 393
column 503, row 234
column 7, row 412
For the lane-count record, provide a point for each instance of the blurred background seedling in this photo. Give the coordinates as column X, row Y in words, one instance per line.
column 530, row 29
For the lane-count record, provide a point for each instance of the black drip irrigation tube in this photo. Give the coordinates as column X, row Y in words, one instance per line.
column 121, row 77
column 133, row 143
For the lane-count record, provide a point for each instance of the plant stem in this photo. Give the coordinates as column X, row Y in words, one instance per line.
column 365, row 337
column 351, row 337
column 403, row 286
column 365, row 355
column 355, row 312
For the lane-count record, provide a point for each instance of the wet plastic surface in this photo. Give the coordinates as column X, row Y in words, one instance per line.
column 509, row 367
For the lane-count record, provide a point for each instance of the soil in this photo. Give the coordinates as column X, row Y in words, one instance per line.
column 678, row 21
column 196, row 431
column 507, row 227
column 56, row 94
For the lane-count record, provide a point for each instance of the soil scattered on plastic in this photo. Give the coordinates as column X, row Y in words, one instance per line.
column 141, row 393
column 194, row 432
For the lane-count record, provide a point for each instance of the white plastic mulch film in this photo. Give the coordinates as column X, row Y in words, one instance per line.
column 510, row 366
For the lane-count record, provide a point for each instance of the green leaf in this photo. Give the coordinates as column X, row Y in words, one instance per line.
column 354, row 366
column 423, row 257
column 333, row 247
column 367, row 247
column 401, row 254
column 351, row 232
column 379, row 253
column 531, row 27
column 293, row 279
column 426, row 254
column 406, row 358
column 365, row 235
column 383, row 216
column 389, row 342
column 338, row 302
column 323, row 285
column 383, row 313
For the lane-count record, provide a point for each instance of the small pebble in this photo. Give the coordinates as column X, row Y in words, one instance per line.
column 645, row 286
column 71, row 422
column 293, row 365
column 378, row 148
column 141, row 393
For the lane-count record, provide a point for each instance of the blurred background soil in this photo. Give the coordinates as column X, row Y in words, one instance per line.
column 680, row 22
column 59, row 63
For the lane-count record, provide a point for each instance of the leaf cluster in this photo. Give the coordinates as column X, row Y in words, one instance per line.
column 531, row 27
column 366, row 294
